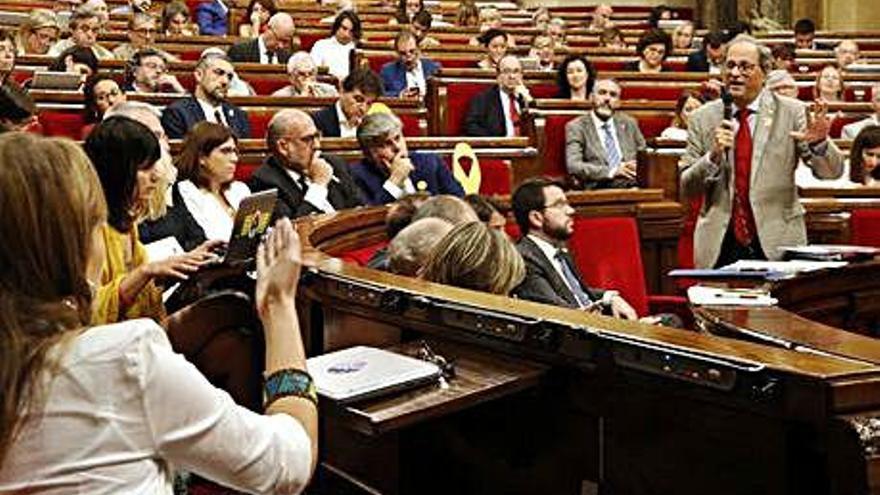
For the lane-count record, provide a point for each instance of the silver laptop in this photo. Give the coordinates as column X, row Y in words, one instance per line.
column 55, row 80
column 363, row 372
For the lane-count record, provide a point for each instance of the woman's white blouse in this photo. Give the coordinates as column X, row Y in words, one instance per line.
column 124, row 409
column 207, row 211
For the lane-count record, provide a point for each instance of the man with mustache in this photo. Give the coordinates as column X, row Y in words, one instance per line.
column 601, row 146
column 741, row 160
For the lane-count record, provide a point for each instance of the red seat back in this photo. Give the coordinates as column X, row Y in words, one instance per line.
column 494, row 175
column 362, row 255
column 608, row 254
column 653, row 126
column 554, row 154
column 459, row 96
column 66, row 123
column 865, row 227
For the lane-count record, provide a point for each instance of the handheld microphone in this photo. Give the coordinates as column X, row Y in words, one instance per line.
column 727, row 99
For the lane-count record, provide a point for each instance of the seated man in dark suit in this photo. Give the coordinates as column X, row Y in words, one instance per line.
column 545, row 220
column 359, row 90
column 270, row 47
column 388, row 171
column 307, row 180
column 408, row 75
column 213, row 75
column 212, row 17
column 497, row 110
column 601, row 146
column 710, row 57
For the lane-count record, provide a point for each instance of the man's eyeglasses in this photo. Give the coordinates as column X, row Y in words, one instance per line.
column 560, row 204
column 745, row 68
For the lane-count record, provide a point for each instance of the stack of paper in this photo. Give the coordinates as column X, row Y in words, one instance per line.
column 791, row 267
column 720, row 296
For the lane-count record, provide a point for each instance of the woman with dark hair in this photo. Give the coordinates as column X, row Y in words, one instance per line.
column 7, row 54
column 684, row 107
column 864, row 157
column 205, row 188
column 124, row 153
column 406, row 10
column 495, row 43
column 653, row 48
column 101, row 93
column 575, row 77
column 176, row 20
column 256, row 16
column 660, row 13
column 17, row 109
column 334, row 52
column 76, row 60
column 112, row 408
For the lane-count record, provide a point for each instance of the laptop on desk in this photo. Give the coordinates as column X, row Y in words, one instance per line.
column 252, row 221
column 56, row 80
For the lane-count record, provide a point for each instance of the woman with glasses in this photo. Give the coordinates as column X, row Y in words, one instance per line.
column 102, row 93
column 653, row 48
column 302, row 72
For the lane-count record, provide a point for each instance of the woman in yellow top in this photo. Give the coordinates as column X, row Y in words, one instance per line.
column 124, row 153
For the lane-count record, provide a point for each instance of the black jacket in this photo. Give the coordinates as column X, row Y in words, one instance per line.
column 485, row 116
column 249, row 51
column 182, row 115
column 543, row 283
column 327, row 121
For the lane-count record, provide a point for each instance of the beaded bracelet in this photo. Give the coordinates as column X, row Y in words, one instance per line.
column 289, row 383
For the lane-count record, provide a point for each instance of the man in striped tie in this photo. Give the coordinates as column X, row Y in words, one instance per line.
column 601, row 146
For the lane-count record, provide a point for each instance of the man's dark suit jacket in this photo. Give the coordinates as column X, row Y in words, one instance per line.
column 697, row 62
column 181, row 115
column 212, row 18
column 428, row 172
column 485, row 116
column 327, row 121
column 249, row 51
column 543, row 283
column 342, row 192
column 393, row 75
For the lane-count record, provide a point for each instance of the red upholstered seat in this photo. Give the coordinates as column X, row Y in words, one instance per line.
column 459, row 96
column 411, row 125
column 307, row 40
column 361, row 256
column 607, row 251
column 377, row 61
column 267, row 85
column 554, row 154
column 865, row 227
column 494, row 173
column 837, row 125
column 652, row 93
column 609, row 65
column 67, row 123
column 652, row 127
column 544, row 90
column 244, row 170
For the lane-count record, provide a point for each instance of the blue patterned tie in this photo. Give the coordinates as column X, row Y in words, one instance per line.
column 574, row 283
column 610, row 148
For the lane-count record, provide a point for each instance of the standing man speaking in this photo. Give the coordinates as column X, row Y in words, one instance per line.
column 741, row 155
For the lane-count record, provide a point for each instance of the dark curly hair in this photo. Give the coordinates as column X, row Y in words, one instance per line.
column 653, row 37
column 562, row 75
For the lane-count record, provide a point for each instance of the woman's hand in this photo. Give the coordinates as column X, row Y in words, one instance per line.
column 279, row 260
column 180, row 266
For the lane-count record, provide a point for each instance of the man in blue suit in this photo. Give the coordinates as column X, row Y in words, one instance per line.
column 408, row 75
column 212, row 17
column 213, row 75
column 389, row 171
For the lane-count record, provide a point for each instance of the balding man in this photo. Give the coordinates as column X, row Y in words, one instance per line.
column 307, row 180
column 498, row 110
column 270, row 47
column 744, row 167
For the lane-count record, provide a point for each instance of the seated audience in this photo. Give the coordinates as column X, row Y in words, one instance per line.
column 176, row 20
column 865, row 157
column 601, row 146
column 212, row 17
column 660, row 13
column 272, row 46
column 556, row 31
column 124, row 153
column 407, row 77
column 409, row 250
column 543, row 50
column 83, row 33
column 65, row 379
column 495, row 43
column 541, row 18
column 683, row 36
column 782, row 83
column 846, row 53
column 133, row 7
column 307, row 180
column 653, row 48
column 18, row 112
column 334, row 52
column 850, row 131
column 303, row 76
column 575, row 78
column 38, row 33
column 213, row 75
column 468, row 14
column 206, row 196
column 490, row 18
column 686, row 104
column 612, row 37
column 76, row 60
column 388, row 171
column 710, row 57
column 546, row 222
column 101, row 93
column 784, row 56
column 238, row 86
column 100, row 8
column 406, row 11
column 805, row 34
column 141, row 36
column 359, row 90
column 601, row 18
column 147, row 72
column 496, row 111
column 473, row 256
column 257, row 16
column 486, row 211
column 421, row 26
column 7, row 54
column 829, row 84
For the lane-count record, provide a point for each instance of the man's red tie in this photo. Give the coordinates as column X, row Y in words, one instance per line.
column 514, row 115
column 743, row 219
